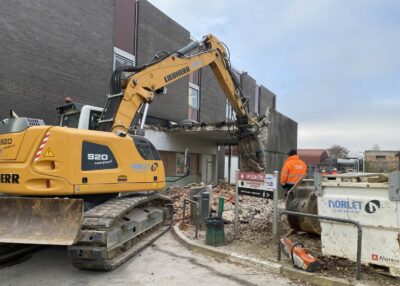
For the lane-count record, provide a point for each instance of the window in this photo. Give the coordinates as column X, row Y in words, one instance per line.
column 380, row 157
column 180, row 164
column 122, row 58
column 94, row 120
column 70, row 120
column 229, row 112
column 194, row 102
column 146, row 149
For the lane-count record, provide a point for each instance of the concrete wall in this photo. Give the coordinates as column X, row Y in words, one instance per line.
column 157, row 32
column 178, row 142
column 282, row 137
column 212, row 98
column 248, row 86
column 267, row 99
column 53, row 49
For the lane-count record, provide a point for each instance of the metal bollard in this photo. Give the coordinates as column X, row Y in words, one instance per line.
column 196, row 211
column 221, row 202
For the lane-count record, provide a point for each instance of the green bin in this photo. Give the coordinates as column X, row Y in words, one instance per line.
column 215, row 235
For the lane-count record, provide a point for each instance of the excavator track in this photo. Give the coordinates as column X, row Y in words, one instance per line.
column 120, row 228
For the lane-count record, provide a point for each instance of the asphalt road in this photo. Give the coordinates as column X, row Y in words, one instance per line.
column 166, row 262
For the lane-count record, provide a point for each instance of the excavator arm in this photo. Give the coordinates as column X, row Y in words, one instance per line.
column 126, row 98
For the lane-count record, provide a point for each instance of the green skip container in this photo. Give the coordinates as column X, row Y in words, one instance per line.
column 215, row 234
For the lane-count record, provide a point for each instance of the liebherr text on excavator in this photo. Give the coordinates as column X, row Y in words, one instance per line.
column 68, row 186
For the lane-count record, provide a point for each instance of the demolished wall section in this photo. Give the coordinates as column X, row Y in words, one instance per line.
column 282, row 137
column 267, row 99
column 212, row 98
column 248, row 86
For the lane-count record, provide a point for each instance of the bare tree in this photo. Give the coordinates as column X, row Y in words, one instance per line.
column 337, row 151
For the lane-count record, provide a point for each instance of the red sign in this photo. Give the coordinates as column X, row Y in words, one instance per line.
column 256, row 177
column 375, row 257
column 252, row 182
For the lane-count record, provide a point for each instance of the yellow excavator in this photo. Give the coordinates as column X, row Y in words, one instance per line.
column 97, row 191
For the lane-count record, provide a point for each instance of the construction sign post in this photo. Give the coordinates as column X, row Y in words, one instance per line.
column 259, row 185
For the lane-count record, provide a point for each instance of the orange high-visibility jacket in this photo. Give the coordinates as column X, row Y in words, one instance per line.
column 293, row 170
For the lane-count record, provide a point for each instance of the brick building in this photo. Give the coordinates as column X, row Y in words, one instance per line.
column 381, row 161
column 53, row 49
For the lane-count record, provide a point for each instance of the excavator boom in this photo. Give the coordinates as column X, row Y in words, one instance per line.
column 142, row 86
column 123, row 104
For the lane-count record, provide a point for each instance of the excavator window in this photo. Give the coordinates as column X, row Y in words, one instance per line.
column 70, row 120
column 94, row 120
column 146, row 149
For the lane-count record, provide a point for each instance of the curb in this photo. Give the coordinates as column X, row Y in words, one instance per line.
column 269, row 266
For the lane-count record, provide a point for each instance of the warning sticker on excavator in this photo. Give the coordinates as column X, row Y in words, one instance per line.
column 48, row 153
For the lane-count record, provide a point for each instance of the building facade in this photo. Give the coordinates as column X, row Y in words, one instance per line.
column 381, row 161
column 54, row 49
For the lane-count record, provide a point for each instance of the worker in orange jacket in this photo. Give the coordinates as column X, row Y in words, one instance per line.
column 293, row 170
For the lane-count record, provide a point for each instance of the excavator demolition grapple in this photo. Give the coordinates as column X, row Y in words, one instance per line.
column 97, row 191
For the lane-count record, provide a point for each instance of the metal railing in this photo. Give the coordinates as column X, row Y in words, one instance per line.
column 196, row 208
column 359, row 233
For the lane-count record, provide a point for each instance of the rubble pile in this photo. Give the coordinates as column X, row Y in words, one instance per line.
column 178, row 194
column 250, row 208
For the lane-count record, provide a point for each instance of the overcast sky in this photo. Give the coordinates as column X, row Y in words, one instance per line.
column 334, row 65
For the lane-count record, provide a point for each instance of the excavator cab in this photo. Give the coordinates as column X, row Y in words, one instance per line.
column 77, row 115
